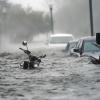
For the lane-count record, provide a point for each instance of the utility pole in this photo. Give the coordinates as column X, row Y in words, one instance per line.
column 91, row 18
column 51, row 19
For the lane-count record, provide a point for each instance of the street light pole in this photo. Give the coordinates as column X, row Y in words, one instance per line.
column 91, row 18
column 51, row 19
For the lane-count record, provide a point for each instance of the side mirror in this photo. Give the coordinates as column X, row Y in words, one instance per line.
column 98, row 38
column 76, row 50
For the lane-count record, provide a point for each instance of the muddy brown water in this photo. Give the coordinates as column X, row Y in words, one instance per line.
column 59, row 77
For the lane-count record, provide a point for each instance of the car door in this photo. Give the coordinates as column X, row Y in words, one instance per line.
column 77, row 51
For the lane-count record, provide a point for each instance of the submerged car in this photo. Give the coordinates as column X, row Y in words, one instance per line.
column 87, row 46
column 70, row 45
column 59, row 40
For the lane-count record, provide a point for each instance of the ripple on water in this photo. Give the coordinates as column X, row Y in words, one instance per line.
column 58, row 78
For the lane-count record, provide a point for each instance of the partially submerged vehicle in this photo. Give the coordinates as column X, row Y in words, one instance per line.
column 96, row 58
column 87, row 46
column 70, row 45
column 59, row 40
column 33, row 61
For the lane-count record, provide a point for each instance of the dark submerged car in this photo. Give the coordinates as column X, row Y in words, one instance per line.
column 87, row 46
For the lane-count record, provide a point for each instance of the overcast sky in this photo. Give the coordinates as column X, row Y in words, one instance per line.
column 73, row 15
column 39, row 5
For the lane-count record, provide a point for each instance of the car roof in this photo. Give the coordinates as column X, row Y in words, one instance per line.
column 61, row 34
column 76, row 40
column 88, row 38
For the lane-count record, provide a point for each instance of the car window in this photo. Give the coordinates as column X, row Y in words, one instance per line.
column 90, row 47
column 55, row 40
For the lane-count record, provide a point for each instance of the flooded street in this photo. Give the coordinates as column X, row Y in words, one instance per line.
column 37, row 26
column 59, row 77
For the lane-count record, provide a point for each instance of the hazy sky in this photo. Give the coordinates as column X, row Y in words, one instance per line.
column 71, row 15
column 41, row 5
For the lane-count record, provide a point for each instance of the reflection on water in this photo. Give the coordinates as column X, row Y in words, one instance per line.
column 58, row 78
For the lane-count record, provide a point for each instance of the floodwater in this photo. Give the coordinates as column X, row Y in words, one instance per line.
column 59, row 77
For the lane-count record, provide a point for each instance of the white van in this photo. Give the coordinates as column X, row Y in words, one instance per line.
column 59, row 40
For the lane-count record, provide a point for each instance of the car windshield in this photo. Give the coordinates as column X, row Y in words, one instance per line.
column 91, row 46
column 60, row 40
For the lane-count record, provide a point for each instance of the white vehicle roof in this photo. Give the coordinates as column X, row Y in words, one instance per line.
column 59, row 35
